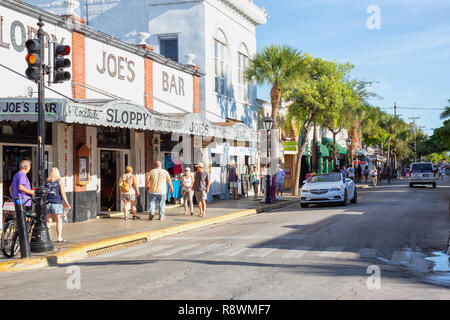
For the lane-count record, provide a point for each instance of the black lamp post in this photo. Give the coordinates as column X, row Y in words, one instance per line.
column 40, row 239
column 268, row 123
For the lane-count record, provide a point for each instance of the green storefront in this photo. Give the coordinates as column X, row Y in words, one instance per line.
column 327, row 158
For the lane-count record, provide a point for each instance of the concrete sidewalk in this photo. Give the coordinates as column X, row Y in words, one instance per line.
column 111, row 232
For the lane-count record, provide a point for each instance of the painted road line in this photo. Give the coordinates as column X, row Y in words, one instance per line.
column 331, row 252
column 150, row 249
column 296, row 252
column 205, row 249
column 176, row 250
column 260, row 252
column 233, row 251
column 367, row 253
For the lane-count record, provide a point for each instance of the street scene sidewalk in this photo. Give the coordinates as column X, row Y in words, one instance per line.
column 112, row 232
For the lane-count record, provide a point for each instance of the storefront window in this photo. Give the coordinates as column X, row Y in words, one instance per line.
column 113, row 138
column 23, row 132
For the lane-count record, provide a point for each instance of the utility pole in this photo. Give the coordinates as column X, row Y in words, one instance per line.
column 415, row 136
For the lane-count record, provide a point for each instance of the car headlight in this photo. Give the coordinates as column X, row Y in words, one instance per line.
column 305, row 191
column 338, row 188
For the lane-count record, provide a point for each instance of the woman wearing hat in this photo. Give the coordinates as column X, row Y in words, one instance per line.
column 187, row 190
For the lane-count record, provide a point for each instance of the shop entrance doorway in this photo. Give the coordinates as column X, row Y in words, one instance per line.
column 109, row 180
column 12, row 156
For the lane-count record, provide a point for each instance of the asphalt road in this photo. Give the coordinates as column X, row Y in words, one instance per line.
column 374, row 249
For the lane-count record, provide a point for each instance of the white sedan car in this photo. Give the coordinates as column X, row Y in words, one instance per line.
column 326, row 188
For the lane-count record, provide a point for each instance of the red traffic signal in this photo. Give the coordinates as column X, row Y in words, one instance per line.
column 61, row 49
column 60, row 63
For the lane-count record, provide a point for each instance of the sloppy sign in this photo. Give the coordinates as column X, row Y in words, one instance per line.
column 122, row 114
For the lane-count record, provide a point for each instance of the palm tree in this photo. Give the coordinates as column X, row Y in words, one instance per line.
column 446, row 113
column 277, row 66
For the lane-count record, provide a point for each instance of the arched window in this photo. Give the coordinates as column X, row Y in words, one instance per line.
column 243, row 85
column 221, row 68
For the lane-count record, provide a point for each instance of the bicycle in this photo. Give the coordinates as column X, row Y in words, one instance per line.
column 10, row 245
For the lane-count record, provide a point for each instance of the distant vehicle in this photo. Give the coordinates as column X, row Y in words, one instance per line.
column 422, row 173
column 326, row 188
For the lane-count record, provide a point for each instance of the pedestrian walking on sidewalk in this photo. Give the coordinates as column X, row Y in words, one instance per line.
column 358, row 173
column 233, row 180
column 129, row 191
column 201, row 188
column 254, row 180
column 20, row 185
column 366, row 173
column 56, row 195
column 187, row 190
column 156, row 185
column 281, row 174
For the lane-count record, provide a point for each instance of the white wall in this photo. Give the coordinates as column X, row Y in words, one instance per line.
column 13, row 52
column 115, row 71
column 237, row 31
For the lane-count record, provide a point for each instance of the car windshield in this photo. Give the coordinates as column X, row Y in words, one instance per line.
column 334, row 177
column 422, row 167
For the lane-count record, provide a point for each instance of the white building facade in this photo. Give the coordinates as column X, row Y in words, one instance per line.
column 217, row 36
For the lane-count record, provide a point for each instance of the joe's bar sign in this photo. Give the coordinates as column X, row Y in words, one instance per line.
column 26, row 109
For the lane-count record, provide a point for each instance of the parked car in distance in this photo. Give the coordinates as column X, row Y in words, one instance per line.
column 422, row 173
column 326, row 188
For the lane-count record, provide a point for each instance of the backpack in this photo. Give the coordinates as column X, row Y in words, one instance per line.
column 124, row 186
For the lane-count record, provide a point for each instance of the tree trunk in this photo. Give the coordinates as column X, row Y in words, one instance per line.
column 275, row 94
column 314, row 150
column 298, row 164
column 334, row 149
column 352, row 136
column 389, row 153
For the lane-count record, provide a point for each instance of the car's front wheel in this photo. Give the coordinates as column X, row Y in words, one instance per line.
column 304, row 205
column 345, row 202
column 355, row 197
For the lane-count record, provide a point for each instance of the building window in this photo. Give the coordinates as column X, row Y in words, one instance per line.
column 168, row 47
column 220, row 67
column 243, row 88
column 117, row 138
column 23, row 132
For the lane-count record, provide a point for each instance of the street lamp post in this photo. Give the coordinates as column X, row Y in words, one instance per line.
column 268, row 123
column 40, row 238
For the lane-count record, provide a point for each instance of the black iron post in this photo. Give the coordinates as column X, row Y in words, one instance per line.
column 22, row 228
column 40, row 239
column 268, row 199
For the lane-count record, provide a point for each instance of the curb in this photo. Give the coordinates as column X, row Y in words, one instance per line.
column 83, row 250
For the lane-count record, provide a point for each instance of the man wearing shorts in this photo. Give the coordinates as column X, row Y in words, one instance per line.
column 279, row 180
column 201, row 188
column 233, row 179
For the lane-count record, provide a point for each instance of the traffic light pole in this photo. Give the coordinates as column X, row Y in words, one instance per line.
column 40, row 239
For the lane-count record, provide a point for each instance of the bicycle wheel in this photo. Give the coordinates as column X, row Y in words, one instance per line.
column 9, row 241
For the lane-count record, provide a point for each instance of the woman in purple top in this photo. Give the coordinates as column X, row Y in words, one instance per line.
column 20, row 186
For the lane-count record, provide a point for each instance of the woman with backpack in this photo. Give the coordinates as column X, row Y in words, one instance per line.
column 55, row 197
column 129, row 191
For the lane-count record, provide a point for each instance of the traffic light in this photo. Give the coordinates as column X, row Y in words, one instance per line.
column 33, row 59
column 60, row 63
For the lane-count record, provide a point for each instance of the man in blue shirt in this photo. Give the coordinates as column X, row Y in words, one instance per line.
column 20, row 186
column 279, row 180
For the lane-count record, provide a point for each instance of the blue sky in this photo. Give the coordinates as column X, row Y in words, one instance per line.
column 409, row 55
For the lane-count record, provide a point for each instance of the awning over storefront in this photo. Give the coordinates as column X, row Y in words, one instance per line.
column 122, row 114
column 329, row 144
